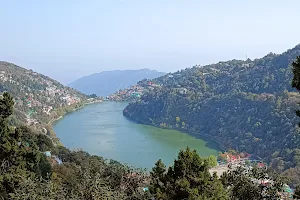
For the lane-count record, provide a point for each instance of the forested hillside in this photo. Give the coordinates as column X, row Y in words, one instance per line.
column 33, row 168
column 244, row 105
column 38, row 98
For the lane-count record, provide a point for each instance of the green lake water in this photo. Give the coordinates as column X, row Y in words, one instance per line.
column 101, row 129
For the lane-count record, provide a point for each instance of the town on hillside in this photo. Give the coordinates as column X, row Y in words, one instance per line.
column 232, row 160
column 38, row 99
column 134, row 92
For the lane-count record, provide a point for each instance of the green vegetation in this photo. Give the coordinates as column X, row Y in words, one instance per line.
column 252, row 185
column 243, row 105
column 296, row 78
column 188, row 178
column 297, row 193
column 27, row 173
column 38, row 99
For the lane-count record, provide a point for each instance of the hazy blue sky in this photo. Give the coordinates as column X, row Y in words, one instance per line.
column 67, row 39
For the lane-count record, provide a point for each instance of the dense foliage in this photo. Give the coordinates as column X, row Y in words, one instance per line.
column 27, row 173
column 244, row 105
column 296, row 78
column 188, row 178
column 251, row 184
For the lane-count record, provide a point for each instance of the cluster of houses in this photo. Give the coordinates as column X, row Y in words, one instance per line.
column 70, row 99
column 228, row 161
column 52, row 90
column 4, row 77
column 47, row 109
column 31, row 121
column 38, row 95
column 134, row 92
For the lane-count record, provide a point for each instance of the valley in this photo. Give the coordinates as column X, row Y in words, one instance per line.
column 150, row 100
column 207, row 109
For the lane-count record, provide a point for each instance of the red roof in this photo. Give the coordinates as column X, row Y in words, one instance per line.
column 233, row 157
column 260, row 164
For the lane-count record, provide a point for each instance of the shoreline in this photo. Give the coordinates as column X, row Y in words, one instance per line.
column 52, row 121
column 208, row 143
column 75, row 109
column 194, row 134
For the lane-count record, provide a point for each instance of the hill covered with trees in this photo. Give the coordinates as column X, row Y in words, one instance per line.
column 38, row 98
column 244, row 105
column 33, row 168
column 108, row 82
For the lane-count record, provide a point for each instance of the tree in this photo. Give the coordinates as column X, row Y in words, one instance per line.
column 188, row 178
column 212, row 161
column 44, row 143
column 157, row 179
column 296, row 78
column 247, row 184
column 177, row 119
column 6, row 106
column 93, row 96
column 296, row 72
column 297, row 192
column 18, row 158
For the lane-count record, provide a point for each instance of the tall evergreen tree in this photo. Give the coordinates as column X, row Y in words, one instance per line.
column 188, row 178
column 17, row 159
column 297, row 193
column 296, row 78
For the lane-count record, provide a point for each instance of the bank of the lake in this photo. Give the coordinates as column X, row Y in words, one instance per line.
column 192, row 133
column 67, row 110
column 101, row 129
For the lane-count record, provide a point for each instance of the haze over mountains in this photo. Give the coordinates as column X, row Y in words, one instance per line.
column 108, row 82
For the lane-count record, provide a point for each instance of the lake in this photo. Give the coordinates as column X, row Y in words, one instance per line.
column 101, row 129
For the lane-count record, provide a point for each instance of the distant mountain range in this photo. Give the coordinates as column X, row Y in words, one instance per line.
column 108, row 82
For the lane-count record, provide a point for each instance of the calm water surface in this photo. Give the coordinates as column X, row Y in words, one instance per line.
column 102, row 130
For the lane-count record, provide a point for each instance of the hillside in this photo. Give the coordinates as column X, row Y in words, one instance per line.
column 38, row 98
column 245, row 105
column 33, row 168
column 108, row 82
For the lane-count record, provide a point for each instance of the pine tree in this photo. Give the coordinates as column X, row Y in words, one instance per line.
column 157, row 179
column 296, row 78
column 188, row 178
column 296, row 72
column 17, row 160
column 297, row 193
